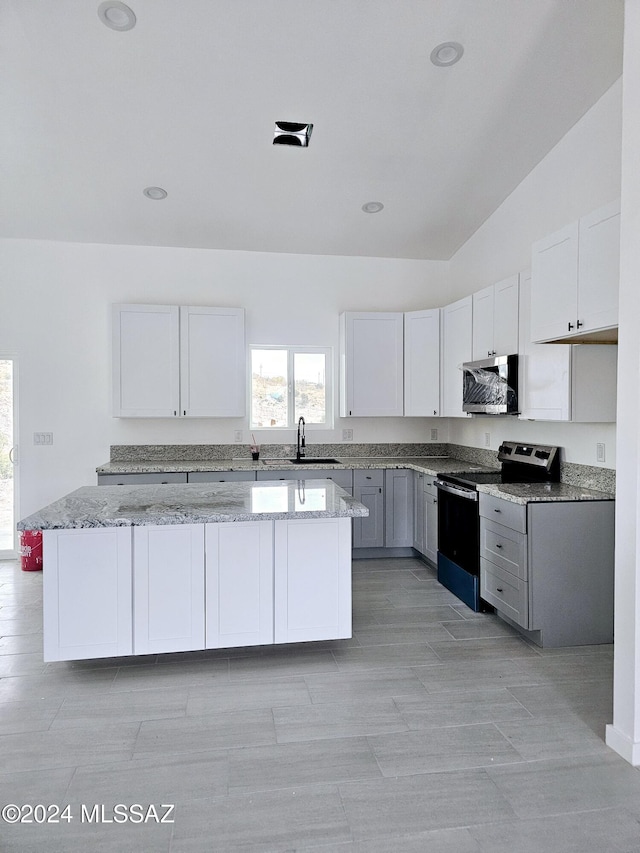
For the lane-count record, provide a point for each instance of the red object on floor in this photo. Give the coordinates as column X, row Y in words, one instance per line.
column 31, row 550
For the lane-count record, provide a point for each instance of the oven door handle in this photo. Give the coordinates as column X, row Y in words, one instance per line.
column 458, row 491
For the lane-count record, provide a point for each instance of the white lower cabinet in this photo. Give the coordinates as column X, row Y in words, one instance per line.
column 312, row 594
column 87, row 593
column 168, row 588
column 239, row 584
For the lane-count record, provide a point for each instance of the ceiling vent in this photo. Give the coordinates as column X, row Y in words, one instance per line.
column 292, row 133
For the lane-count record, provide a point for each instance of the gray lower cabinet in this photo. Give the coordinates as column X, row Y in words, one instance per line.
column 425, row 516
column 419, row 513
column 140, row 479
column 398, row 499
column 368, row 488
column 548, row 568
column 221, row 476
column 431, row 520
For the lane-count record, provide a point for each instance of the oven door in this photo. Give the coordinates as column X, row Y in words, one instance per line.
column 459, row 526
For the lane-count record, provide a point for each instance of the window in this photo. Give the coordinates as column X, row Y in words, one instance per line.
column 288, row 383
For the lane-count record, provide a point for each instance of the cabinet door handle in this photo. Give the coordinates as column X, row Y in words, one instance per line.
column 498, row 545
column 569, row 326
column 435, row 500
column 579, row 324
column 499, row 589
column 497, row 510
column 175, row 413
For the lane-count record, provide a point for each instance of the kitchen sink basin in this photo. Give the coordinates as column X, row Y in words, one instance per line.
column 314, row 461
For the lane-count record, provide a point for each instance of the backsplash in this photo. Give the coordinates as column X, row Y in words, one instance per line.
column 198, row 452
column 585, row 476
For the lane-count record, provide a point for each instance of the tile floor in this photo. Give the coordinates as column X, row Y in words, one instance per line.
column 434, row 729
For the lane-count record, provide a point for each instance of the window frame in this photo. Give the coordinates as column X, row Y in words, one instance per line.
column 291, row 351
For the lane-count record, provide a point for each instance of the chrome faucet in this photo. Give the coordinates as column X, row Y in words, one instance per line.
column 300, row 450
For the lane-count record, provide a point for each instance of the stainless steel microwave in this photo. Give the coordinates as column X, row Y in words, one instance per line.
column 490, row 386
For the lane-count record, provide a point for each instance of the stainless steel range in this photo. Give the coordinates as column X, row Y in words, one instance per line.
column 458, row 517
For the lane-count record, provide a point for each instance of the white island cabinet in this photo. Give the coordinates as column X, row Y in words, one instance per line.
column 153, row 569
column 87, row 601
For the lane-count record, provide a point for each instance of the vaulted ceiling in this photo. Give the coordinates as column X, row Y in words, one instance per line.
column 187, row 99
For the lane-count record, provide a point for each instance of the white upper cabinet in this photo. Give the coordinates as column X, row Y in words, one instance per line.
column 422, row 363
column 456, row 349
column 599, row 268
column 371, row 364
column 212, row 362
column 575, row 277
column 564, row 383
column 171, row 361
column 495, row 319
column 146, row 354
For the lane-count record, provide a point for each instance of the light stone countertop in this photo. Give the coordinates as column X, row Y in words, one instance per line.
column 524, row 493
column 424, row 464
column 195, row 503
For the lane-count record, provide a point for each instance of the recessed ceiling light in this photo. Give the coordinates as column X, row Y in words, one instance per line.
column 447, row 53
column 155, row 193
column 373, row 207
column 116, row 15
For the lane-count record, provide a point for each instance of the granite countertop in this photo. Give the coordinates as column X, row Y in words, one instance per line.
column 194, row 503
column 524, row 493
column 424, row 464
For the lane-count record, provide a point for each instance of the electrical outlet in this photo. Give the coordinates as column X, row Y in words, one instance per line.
column 347, row 435
column 43, row 438
column 487, row 439
column 237, row 436
column 600, row 452
column 434, row 434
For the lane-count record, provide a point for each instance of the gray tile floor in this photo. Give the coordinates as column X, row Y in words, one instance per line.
column 434, row 729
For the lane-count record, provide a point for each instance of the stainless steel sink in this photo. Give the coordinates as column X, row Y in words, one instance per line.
column 314, row 461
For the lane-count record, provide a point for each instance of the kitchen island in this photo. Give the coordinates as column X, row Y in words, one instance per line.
column 131, row 570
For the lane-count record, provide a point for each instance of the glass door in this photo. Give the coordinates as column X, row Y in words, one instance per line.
column 8, row 458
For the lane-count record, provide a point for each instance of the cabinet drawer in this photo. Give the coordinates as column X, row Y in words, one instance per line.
column 221, row 476
column 505, row 547
column 504, row 512
column 140, row 479
column 428, row 486
column 341, row 477
column 278, row 474
column 369, row 477
column 507, row 593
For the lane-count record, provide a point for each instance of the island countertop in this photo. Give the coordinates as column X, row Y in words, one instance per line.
column 195, row 503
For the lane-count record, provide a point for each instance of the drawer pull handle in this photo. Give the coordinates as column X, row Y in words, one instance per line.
column 498, row 545
column 497, row 510
column 499, row 589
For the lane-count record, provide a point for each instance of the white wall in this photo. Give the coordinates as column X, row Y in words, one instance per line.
column 581, row 173
column 56, row 298
column 55, row 317
column 624, row 734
